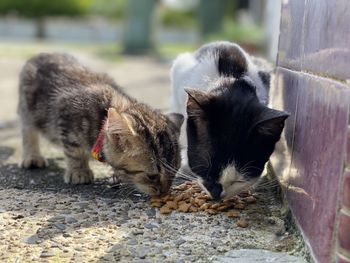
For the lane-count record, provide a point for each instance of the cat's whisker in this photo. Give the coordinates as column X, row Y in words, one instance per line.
column 269, row 183
column 247, row 168
column 205, row 157
column 178, row 173
column 184, row 176
column 244, row 168
column 123, row 187
column 167, row 165
column 130, row 192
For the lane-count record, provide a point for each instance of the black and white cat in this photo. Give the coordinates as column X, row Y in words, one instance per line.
column 229, row 133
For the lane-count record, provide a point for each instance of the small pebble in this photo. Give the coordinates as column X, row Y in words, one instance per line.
column 281, row 230
column 137, row 232
column 151, row 225
column 187, row 252
column 66, row 212
column 56, row 218
column 132, row 242
column 116, row 248
column 151, row 212
column 60, row 226
column 179, row 242
column 142, row 252
column 160, row 240
column 271, row 221
column 32, row 240
column 46, row 254
column 18, row 217
column 71, row 220
column 142, row 261
column 83, row 204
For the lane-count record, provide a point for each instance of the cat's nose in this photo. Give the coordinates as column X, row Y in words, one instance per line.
column 216, row 191
column 165, row 187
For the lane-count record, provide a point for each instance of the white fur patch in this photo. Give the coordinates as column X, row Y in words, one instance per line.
column 233, row 182
column 188, row 72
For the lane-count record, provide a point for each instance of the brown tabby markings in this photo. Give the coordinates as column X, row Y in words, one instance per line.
column 68, row 104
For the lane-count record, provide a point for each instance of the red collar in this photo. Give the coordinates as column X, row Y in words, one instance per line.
column 97, row 149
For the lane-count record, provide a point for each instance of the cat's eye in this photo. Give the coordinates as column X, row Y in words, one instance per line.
column 238, row 181
column 130, row 171
column 152, row 177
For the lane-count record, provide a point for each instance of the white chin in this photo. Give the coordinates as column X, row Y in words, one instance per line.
column 233, row 182
column 234, row 190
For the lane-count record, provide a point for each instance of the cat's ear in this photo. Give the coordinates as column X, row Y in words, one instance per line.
column 119, row 123
column 196, row 99
column 177, row 119
column 271, row 123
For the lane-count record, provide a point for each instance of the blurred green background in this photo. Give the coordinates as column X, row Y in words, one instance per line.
column 113, row 27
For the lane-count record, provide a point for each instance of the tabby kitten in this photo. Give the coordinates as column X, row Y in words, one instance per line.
column 230, row 133
column 82, row 110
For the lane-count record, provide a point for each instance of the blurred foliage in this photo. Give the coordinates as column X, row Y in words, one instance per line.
column 114, row 9
column 231, row 8
column 232, row 31
column 178, row 18
column 40, row 8
column 173, row 49
column 183, row 18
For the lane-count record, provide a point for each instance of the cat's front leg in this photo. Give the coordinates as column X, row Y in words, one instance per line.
column 31, row 156
column 118, row 176
column 78, row 171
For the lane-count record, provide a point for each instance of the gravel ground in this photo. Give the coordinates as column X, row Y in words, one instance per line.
column 44, row 220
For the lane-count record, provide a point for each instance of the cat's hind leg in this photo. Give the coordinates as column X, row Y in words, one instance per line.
column 78, row 171
column 31, row 156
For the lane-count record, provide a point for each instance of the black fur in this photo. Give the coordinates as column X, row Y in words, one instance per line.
column 230, row 125
column 232, row 61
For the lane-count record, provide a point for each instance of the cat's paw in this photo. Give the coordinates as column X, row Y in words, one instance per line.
column 78, row 176
column 31, row 162
column 118, row 176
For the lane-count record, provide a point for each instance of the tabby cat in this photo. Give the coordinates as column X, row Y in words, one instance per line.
column 231, row 133
column 82, row 110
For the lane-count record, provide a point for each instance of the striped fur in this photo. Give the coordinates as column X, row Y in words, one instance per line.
column 69, row 104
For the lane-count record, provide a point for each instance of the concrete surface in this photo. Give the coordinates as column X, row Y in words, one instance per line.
column 44, row 220
column 256, row 256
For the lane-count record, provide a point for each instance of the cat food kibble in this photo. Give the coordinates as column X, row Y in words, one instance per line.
column 242, row 223
column 233, row 214
column 189, row 198
column 165, row 210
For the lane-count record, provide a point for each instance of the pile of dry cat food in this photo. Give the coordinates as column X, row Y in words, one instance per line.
column 189, row 197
